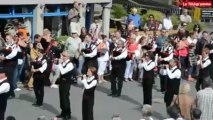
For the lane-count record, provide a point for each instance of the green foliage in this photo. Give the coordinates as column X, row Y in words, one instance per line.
column 190, row 26
column 175, row 21
column 118, row 11
column 158, row 15
column 60, row 39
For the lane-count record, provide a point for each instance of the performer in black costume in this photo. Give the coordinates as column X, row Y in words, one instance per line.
column 9, row 61
column 4, row 89
column 90, row 54
column 65, row 66
column 173, row 82
column 38, row 68
column 118, row 62
column 166, row 54
column 204, row 72
column 148, row 77
column 90, row 84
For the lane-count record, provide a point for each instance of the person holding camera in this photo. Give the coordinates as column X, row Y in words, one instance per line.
column 65, row 67
column 74, row 17
column 89, row 82
column 38, row 68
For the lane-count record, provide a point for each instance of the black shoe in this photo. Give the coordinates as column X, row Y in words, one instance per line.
column 67, row 117
column 111, row 94
column 37, row 105
column 60, row 116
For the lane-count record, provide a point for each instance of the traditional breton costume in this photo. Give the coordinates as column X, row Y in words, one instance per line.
column 150, row 44
column 4, row 89
column 131, row 57
column 38, row 77
column 148, row 80
column 88, row 99
column 167, row 54
column 204, row 72
column 118, row 69
column 172, row 85
column 90, row 57
column 103, row 57
column 210, row 47
column 64, row 88
column 10, row 65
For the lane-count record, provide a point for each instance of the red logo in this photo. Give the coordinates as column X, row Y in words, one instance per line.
column 197, row 3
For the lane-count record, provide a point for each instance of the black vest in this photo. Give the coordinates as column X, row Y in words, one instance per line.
column 149, row 74
column 165, row 53
column 6, row 52
column 173, row 84
column 89, row 92
column 37, row 64
column 118, row 63
column 87, row 50
column 67, row 76
column 203, row 73
column 3, row 97
column 210, row 47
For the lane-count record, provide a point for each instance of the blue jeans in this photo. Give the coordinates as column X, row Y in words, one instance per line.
column 192, row 69
column 18, row 73
column 14, row 77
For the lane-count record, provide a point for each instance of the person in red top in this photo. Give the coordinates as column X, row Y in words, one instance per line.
column 133, row 52
column 183, row 54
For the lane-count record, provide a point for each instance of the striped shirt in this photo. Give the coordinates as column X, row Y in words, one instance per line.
column 204, row 103
column 192, row 56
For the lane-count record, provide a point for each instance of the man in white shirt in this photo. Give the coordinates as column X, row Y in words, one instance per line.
column 95, row 27
column 185, row 18
column 4, row 89
column 204, row 99
column 167, row 22
column 65, row 66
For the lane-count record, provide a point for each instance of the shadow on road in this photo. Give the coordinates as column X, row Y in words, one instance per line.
column 46, row 106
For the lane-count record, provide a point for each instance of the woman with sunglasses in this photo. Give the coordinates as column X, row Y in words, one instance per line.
column 148, row 65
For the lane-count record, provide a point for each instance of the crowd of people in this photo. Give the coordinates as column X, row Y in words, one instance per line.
column 86, row 56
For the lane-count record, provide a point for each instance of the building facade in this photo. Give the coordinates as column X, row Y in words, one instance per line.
column 52, row 14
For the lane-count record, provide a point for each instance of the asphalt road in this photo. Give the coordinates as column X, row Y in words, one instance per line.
column 128, row 105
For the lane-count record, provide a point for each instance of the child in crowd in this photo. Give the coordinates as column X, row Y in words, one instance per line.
column 192, row 61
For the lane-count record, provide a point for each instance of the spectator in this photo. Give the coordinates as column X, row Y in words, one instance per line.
column 210, row 47
column 201, row 43
column 135, row 17
column 138, row 36
column 118, row 36
column 37, row 38
column 197, row 30
column 152, row 24
column 160, row 40
column 147, row 112
column 192, row 62
column 2, row 42
column 96, row 27
column 196, row 113
column 167, row 22
column 185, row 101
column 185, row 18
column 131, row 26
column 46, row 38
column 74, row 17
column 83, row 33
column 192, row 38
column 204, row 99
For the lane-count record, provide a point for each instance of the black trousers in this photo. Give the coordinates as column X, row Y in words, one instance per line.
column 163, row 79
column 147, row 90
column 199, row 83
column 64, row 94
column 38, row 86
column 3, row 106
column 89, row 63
column 168, row 97
column 9, row 71
column 87, row 107
column 117, row 73
column 211, row 70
